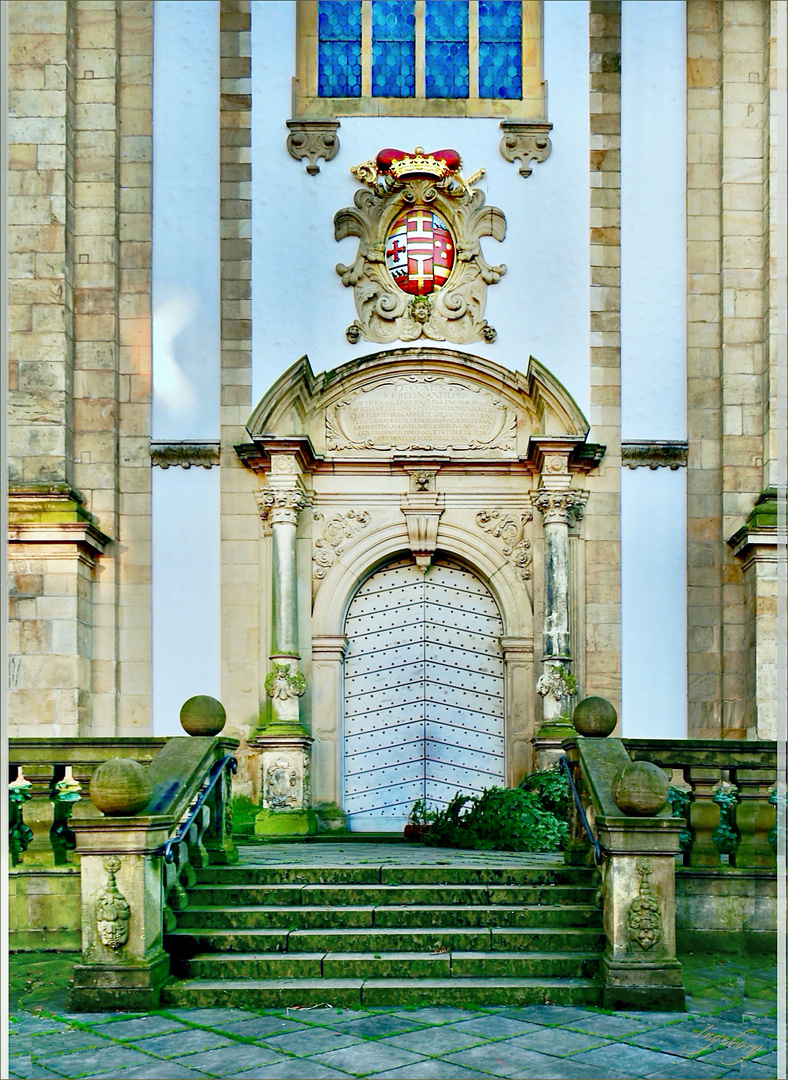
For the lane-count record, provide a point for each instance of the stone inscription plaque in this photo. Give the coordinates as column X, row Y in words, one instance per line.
column 421, row 412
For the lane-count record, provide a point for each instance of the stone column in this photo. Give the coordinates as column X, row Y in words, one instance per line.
column 556, row 683
column 284, row 743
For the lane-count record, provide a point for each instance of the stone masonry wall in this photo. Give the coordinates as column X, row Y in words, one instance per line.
column 602, row 522
column 79, row 238
column 727, row 344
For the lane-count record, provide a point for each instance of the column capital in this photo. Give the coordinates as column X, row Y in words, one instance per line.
column 280, row 506
column 560, row 507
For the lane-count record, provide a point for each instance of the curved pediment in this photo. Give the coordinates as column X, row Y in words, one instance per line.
column 417, row 401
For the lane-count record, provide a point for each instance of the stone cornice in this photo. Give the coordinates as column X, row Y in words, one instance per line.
column 654, row 454
column 54, row 517
column 204, row 454
column 312, row 139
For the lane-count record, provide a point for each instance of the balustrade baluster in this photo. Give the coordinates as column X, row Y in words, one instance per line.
column 754, row 818
column 704, row 815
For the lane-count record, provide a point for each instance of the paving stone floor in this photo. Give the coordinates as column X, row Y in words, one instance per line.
column 728, row 997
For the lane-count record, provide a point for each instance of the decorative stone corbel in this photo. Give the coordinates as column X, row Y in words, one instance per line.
column 526, row 143
column 312, row 139
column 422, row 512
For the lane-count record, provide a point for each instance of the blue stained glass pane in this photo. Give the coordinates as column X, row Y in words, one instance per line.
column 339, row 20
column 339, row 48
column 500, row 52
column 500, row 70
column 393, row 48
column 500, row 20
column 446, row 48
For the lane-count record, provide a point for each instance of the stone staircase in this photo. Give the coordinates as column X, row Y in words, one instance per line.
column 451, row 928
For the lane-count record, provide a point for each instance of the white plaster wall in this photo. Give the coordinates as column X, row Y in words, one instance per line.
column 186, row 612
column 185, row 285
column 653, row 617
column 541, row 305
column 653, row 184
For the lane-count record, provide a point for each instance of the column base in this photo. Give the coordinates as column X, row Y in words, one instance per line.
column 548, row 742
column 129, row 987
column 284, row 823
column 643, row 987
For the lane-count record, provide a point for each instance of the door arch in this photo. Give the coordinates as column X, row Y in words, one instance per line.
column 423, row 691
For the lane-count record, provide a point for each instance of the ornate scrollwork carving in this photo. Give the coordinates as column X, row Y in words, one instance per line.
column 560, row 506
column 336, row 530
column 284, row 682
column 526, row 143
column 112, row 909
column 510, row 529
column 396, row 183
column 281, row 785
column 644, row 920
column 312, row 139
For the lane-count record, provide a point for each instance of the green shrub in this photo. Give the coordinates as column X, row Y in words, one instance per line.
column 500, row 819
column 552, row 787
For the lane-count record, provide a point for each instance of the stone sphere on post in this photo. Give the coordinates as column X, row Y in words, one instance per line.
column 120, row 787
column 594, row 717
column 202, row 716
column 640, row 789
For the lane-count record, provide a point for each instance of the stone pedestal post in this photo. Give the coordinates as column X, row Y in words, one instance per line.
column 123, row 961
column 284, row 743
column 559, row 507
column 639, row 966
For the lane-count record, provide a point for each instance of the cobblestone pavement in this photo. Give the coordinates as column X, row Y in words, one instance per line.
column 729, row 999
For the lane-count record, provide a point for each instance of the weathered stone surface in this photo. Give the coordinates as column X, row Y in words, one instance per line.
column 640, row 788
column 120, row 786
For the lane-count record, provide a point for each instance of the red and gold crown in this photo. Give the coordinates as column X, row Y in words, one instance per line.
column 439, row 163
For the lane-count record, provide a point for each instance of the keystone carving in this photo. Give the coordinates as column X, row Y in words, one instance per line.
column 560, row 506
column 510, row 530
column 644, row 922
column 419, row 270
column 525, row 143
column 336, row 531
column 312, row 139
column 112, row 909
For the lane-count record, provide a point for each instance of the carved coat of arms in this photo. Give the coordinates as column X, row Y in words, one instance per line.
column 419, row 270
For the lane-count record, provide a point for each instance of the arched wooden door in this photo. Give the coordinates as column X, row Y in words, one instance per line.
column 424, row 692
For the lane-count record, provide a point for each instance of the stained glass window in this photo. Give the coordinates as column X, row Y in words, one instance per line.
column 393, row 48
column 421, row 49
column 446, row 48
column 500, row 53
column 339, row 48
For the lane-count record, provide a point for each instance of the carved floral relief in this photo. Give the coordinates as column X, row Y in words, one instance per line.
column 510, row 530
column 335, row 531
column 112, row 909
column 644, row 920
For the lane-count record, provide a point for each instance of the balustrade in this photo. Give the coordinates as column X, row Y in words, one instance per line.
column 729, row 800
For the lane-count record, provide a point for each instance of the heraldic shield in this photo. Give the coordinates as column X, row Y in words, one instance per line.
column 419, row 270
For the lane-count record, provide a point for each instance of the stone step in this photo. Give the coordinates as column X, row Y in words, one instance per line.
column 247, row 874
column 244, row 895
column 372, row 993
column 366, row 965
column 406, row 916
column 187, row 942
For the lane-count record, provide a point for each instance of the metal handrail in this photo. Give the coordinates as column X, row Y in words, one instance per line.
column 598, row 852
column 169, row 848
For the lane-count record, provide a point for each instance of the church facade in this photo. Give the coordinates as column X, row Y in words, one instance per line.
column 399, row 374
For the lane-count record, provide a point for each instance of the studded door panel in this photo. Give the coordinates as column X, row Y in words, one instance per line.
column 424, row 713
